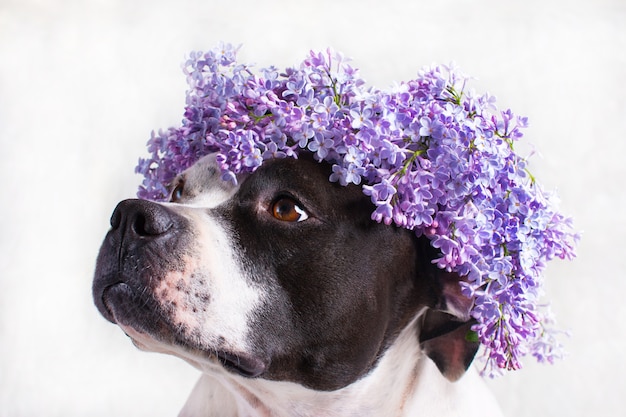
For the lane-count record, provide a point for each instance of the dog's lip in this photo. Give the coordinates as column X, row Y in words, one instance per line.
column 244, row 365
column 110, row 291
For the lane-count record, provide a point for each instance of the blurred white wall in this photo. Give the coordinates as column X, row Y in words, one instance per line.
column 82, row 84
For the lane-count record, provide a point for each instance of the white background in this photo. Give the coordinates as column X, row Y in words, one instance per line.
column 82, row 84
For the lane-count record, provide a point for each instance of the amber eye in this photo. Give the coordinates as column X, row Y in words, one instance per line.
column 177, row 192
column 287, row 210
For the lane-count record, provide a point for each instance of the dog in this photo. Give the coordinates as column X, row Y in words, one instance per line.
column 289, row 298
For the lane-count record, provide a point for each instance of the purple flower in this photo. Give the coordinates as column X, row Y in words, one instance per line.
column 328, row 107
column 361, row 118
column 273, row 152
column 320, row 146
column 501, row 270
column 346, row 175
column 383, row 213
column 431, row 128
column 382, row 191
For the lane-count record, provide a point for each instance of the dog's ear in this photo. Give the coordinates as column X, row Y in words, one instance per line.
column 445, row 328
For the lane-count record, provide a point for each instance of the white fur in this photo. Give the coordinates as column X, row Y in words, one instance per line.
column 211, row 268
column 404, row 383
column 224, row 324
column 233, row 298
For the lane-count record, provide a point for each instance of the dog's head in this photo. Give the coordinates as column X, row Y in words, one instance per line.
column 283, row 277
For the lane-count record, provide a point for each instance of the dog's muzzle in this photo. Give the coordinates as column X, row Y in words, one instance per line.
column 147, row 243
column 140, row 247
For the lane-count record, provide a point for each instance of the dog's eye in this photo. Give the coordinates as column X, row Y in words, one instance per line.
column 177, row 192
column 287, row 210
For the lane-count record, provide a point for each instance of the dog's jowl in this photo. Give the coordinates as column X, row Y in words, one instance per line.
column 289, row 298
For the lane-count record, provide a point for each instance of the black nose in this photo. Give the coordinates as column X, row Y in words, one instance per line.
column 141, row 219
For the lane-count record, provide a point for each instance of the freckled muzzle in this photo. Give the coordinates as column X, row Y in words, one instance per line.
column 150, row 281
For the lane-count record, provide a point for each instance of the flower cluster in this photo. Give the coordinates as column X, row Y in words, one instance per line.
column 433, row 157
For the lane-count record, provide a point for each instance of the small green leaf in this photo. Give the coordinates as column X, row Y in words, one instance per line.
column 471, row 336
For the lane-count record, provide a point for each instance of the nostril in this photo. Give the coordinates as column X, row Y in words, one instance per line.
column 139, row 225
column 141, row 218
column 150, row 223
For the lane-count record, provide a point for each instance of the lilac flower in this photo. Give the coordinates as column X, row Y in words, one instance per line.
column 354, row 156
column 328, row 107
column 383, row 213
column 253, row 158
column 430, row 128
column 320, row 146
column 346, row 175
column 433, row 158
column 500, row 271
column 273, row 152
column 382, row 191
column 361, row 118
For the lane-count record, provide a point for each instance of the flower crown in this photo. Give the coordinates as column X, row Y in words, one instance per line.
column 433, row 157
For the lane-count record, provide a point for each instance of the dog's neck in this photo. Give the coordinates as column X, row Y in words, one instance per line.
column 404, row 383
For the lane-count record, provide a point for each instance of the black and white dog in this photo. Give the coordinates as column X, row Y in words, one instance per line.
column 289, row 298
